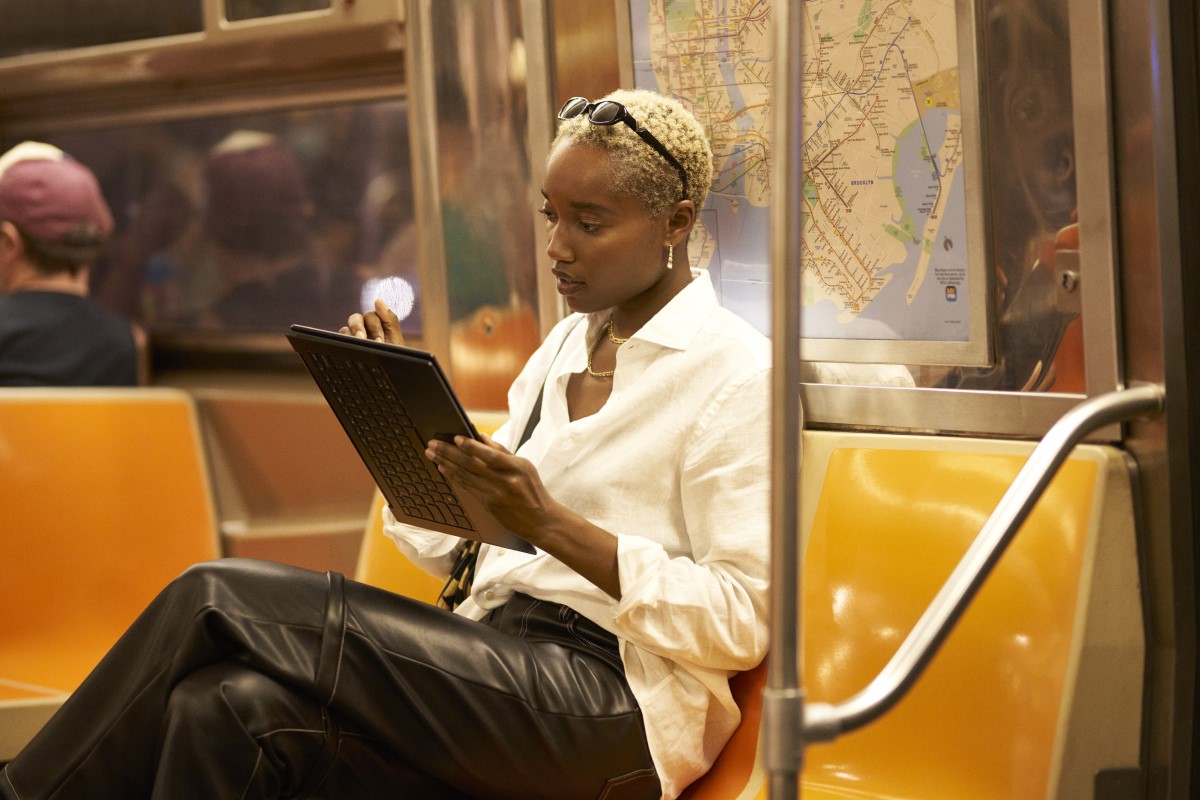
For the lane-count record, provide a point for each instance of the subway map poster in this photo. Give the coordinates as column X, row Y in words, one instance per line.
column 885, row 247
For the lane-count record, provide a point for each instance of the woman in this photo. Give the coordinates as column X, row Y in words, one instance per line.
column 601, row 667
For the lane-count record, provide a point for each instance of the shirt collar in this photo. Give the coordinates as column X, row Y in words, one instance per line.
column 676, row 323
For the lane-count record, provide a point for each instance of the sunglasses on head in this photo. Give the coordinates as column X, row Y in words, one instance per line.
column 610, row 112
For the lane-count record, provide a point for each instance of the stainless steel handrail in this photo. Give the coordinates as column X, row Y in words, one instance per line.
column 824, row 721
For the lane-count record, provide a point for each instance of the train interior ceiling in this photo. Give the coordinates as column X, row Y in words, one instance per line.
column 279, row 162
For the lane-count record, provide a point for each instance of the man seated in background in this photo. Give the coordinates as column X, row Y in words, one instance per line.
column 53, row 223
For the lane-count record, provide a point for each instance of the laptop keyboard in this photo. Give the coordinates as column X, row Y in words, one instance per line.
column 409, row 478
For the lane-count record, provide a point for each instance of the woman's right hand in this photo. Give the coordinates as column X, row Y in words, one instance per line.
column 381, row 325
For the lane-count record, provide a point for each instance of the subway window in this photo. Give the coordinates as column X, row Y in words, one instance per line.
column 236, row 10
column 52, row 25
column 248, row 223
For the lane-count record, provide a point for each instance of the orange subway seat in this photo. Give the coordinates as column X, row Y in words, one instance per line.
column 105, row 498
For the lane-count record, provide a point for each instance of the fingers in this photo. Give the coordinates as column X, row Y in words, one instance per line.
column 483, row 437
column 355, row 326
column 486, row 468
column 380, row 325
column 1051, row 376
column 461, row 468
column 508, row 485
column 464, row 455
column 1032, row 383
column 389, row 323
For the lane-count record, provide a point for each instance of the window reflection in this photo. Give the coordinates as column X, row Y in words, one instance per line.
column 253, row 9
column 47, row 25
column 483, row 173
column 1031, row 200
column 1030, row 203
column 248, row 223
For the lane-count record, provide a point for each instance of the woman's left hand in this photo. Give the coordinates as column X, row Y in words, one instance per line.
column 507, row 484
column 512, row 490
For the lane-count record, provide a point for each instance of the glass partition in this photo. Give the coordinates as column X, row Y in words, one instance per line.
column 236, row 10
column 914, row 118
column 244, row 224
column 49, row 25
column 1031, row 200
column 477, row 190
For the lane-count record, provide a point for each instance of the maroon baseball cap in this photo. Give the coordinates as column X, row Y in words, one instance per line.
column 255, row 195
column 54, row 200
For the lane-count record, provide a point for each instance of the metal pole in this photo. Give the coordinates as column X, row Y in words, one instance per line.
column 783, row 700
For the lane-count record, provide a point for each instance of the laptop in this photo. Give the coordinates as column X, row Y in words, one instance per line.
column 391, row 401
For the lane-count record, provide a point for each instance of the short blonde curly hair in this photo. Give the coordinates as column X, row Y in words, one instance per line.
column 638, row 170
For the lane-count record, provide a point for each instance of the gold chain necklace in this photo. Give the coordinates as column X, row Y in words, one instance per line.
column 612, row 338
column 593, row 372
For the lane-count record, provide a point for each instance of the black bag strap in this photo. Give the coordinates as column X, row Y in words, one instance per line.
column 535, row 414
column 458, row 585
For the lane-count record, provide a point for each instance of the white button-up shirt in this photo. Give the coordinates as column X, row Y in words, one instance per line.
column 676, row 466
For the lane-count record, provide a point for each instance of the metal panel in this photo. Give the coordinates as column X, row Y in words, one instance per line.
column 540, row 89
column 1158, row 304
column 423, row 142
column 470, row 121
column 1096, row 191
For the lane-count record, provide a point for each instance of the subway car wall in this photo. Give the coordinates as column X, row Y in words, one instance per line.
column 271, row 162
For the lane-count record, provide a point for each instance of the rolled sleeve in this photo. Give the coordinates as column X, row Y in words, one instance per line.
column 429, row 550
column 708, row 607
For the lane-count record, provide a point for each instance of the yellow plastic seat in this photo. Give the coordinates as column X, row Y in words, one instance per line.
column 104, row 499
column 982, row 721
column 380, row 562
column 1030, row 695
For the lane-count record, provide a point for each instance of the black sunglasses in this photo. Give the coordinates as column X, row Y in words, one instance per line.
column 610, row 112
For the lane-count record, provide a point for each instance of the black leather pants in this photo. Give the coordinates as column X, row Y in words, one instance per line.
column 248, row 679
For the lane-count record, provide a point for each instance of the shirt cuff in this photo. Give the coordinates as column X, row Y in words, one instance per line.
column 417, row 542
column 638, row 568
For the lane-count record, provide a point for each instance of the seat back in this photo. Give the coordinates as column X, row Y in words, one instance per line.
column 738, row 772
column 1037, row 688
column 380, row 562
column 288, row 483
column 104, row 499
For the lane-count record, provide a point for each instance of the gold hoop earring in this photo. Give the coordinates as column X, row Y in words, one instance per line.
column 670, row 258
